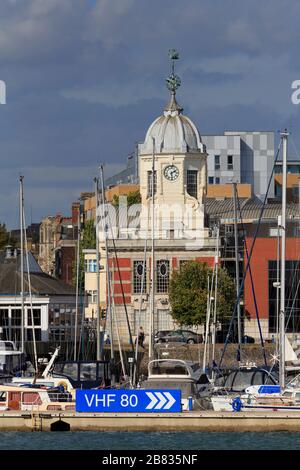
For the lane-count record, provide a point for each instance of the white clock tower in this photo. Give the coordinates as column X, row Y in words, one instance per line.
column 174, row 144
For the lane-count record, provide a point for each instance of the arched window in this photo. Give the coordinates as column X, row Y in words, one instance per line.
column 163, row 276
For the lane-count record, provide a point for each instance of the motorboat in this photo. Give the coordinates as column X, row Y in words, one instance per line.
column 69, row 375
column 12, row 360
column 238, row 381
column 14, row 397
column 178, row 374
column 260, row 398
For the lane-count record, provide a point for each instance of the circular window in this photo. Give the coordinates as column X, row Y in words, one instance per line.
column 139, row 269
column 163, row 269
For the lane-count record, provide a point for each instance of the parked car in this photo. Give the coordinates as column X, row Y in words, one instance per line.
column 178, row 336
column 248, row 339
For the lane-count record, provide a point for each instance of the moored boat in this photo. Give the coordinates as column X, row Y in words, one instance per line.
column 34, row 398
column 180, row 375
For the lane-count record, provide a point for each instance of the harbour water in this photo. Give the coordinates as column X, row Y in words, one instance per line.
column 149, row 441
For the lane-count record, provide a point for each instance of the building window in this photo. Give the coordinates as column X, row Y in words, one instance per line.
column 149, row 183
column 16, row 317
column 275, row 232
column 92, row 296
column 164, row 320
column 210, row 180
column 16, row 320
column 140, row 318
column 4, row 317
column 61, row 322
column 37, row 334
column 36, row 317
column 4, row 323
column 163, row 276
column 229, row 162
column 217, row 180
column 139, row 277
column 90, row 265
column 217, row 162
column 192, row 177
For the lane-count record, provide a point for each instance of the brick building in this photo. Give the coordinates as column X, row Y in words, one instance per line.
column 58, row 241
column 265, row 272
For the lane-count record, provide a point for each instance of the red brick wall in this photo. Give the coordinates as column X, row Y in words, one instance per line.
column 265, row 250
column 66, row 264
column 209, row 260
column 75, row 212
column 125, row 265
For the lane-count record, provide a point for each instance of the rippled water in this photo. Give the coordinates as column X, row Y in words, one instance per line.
column 149, row 441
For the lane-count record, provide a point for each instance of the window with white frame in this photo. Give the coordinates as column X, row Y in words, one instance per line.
column 139, row 277
column 162, row 276
column 149, row 183
column 90, row 265
column 36, row 313
column 92, row 296
column 191, row 182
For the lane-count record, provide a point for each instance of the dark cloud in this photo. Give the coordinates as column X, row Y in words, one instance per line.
column 85, row 78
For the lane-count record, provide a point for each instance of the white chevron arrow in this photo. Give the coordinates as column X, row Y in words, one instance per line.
column 162, row 402
column 153, row 401
column 171, row 400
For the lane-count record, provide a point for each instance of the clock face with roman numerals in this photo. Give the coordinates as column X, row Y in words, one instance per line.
column 171, row 172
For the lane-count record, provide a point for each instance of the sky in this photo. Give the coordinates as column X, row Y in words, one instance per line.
column 85, row 79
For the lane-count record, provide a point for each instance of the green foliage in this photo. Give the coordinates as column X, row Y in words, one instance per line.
column 188, row 294
column 4, row 236
column 88, row 240
column 133, row 197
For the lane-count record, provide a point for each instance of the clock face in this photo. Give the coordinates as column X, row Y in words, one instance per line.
column 171, row 172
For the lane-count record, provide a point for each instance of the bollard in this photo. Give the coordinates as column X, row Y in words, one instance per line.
column 190, row 403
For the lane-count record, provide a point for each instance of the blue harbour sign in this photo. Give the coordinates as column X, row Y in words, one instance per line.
column 128, row 401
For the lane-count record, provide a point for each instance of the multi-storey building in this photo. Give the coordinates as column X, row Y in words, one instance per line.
column 243, row 157
column 58, row 241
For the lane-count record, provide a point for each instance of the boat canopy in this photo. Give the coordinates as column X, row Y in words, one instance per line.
column 239, row 380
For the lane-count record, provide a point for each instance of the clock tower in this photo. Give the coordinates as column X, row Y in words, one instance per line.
column 173, row 146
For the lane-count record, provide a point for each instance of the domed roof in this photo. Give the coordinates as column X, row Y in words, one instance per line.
column 173, row 132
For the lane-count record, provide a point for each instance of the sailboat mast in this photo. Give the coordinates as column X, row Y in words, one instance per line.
column 77, row 287
column 99, row 349
column 152, row 307
column 284, row 137
column 22, row 263
column 109, row 297
column 237, row 267
column 215, row 296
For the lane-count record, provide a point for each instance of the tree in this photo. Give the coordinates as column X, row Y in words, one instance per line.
column 188, row 294
column 133, row 197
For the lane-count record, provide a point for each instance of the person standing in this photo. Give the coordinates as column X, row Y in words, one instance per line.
column 141, row 337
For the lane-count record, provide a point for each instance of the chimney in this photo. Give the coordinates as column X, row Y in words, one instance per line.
column 75, row 212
